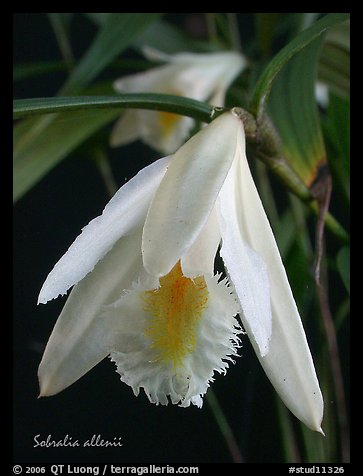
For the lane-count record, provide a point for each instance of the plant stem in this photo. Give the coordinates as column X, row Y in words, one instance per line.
column 59, row 28
column 224, row 427
column 103, row 165
column 211, row 27
column 289, row 441
column 156, row 102
column 234, row 32
column 263, row 137
column 335, row 369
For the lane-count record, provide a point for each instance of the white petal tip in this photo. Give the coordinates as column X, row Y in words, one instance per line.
column 44, row 297
column 48, row 390
column 47, row 385
column 43, row 392
column 320, row 430
column 42, row 300
column 51, row 290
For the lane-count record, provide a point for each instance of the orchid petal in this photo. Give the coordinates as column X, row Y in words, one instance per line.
column 141, row 366
column 199, row 259
column 153, row 80
column 209, row 75
column 82, row 337
column 214, row 70
column 124, row 212
column 164, row 131
column 290, row 368
column 245, row 267
column 186, row 195
column 198, row 76
column 193, row 75
column 126, row 129
column 288, row 362
column 153, row 54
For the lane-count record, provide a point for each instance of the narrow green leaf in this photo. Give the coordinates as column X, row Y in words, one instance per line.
column 264, row 84
column 265, row 29
column 287, row 232
column 293, row 109
column 40, row 143
column 297, row 265
column 288, row 438
column 98, row 18
column 343, row 263
column 168, row 38
column 305, row 20
column 28, row 70
column 337, row 133
column 60, row 23
column 334, row 63
column 117, row 32
column 37, row 154
column 161, row 102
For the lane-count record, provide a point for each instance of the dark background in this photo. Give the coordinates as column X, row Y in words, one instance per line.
column 46, row 221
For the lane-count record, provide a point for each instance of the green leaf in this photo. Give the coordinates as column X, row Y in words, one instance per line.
column 98, row 18
column 334, row 64
column 266, row 24
column 297, row 264
column 117, row 33
column 294, row 112
column 168, row 38
column 337, row 133
column 343, row 264
column 305, row 20
column 39, row 144
column 28, row 70
column 264, row 84
column 36, row 153
column 161, row 102
column 162, row 36
column 60, row 23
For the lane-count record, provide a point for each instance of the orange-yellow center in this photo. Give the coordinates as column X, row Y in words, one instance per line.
column 175, row 309
column 168, row 121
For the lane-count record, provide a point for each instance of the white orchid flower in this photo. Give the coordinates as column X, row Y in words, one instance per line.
column 145, row 291
column 198, row 76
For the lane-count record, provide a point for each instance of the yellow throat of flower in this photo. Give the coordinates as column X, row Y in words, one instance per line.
column 175, row 309
column 168, row 121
